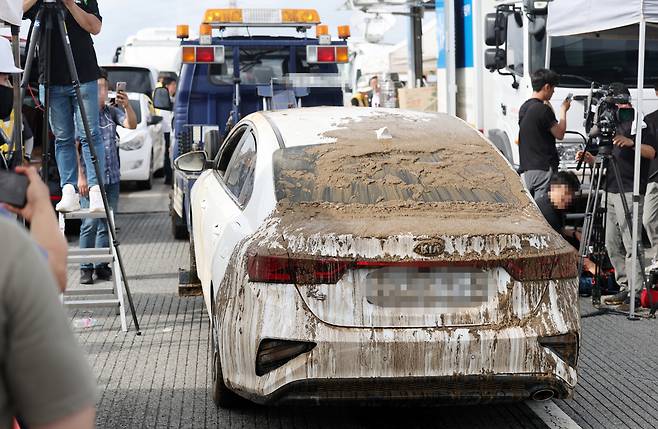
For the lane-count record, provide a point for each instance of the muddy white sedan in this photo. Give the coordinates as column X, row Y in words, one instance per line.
column 372, row 255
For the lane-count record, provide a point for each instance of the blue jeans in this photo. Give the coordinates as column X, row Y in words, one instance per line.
column 94, row 232
column 66, row 124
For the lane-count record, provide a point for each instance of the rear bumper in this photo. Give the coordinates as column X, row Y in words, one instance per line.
column 474, row 389
column 469, row 364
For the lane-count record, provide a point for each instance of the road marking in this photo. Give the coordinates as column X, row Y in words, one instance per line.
column 552, row 415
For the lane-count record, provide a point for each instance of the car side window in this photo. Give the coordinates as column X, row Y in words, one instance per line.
column 239, row 177
column 227, row 150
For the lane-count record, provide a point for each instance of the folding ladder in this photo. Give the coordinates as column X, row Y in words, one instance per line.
column 92, row 296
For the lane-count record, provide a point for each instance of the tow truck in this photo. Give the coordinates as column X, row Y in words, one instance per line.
column 225, row 76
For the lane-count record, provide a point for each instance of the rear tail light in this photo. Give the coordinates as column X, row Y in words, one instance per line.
column 562, row 266
column 327, row 54
column 203, row 54
column 281, row 269
column 565, row 346
column 323, row 270
column 273, row 354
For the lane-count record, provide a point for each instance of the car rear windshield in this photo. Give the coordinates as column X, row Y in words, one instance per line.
column 258, row 66
column 301, row 177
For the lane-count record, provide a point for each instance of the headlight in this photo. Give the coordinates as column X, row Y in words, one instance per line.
column 135, row 143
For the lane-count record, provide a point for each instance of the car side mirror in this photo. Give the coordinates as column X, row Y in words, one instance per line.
column 162, row 100
column 154, row 120
column 495, row 29
column 192, row 162
column 495, row 59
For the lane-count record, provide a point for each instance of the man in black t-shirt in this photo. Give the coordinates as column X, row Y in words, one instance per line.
column 618, row 235
column 82, row 20
column 538, row 129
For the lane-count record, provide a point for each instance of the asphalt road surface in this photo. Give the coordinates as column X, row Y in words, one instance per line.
column 161, row 379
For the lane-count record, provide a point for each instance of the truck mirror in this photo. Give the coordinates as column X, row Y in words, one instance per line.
column 495, row 29
column 162, row 100
column 191, row 162
column 536, row 7
column 495, row 59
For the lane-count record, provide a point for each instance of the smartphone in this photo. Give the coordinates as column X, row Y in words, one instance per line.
column 13, row 188
column 570, row 96
column 121, row 86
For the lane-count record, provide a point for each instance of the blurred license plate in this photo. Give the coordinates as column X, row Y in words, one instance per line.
column 438, row 287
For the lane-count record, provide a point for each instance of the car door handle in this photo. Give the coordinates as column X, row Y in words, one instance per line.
column 203, row 204
column 216, row 230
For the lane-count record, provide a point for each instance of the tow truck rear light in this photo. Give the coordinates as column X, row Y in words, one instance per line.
column 344, row 32
column 182, row 31
column 203, row 54
column 326, row 54
column 262, row 17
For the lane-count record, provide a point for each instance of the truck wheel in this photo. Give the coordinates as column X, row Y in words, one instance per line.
column 178, row 226
column 222, row 396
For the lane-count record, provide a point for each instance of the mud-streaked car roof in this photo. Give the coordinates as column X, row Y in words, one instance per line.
column 307, row 126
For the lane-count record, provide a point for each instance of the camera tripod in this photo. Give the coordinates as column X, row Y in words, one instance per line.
column 593, row 237
column 51, row 14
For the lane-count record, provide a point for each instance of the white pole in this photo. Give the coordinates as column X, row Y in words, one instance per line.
column 639, row 120
column 451, row 56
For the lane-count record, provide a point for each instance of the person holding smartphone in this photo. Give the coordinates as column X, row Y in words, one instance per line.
column 94, row 232
column 82, row 20
column 538, row 130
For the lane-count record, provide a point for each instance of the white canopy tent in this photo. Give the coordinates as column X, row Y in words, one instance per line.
column 571, row 17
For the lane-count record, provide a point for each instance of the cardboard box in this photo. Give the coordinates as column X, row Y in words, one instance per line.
column 422, row 99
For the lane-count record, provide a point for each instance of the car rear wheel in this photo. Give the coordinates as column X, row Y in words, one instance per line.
column 222, row 396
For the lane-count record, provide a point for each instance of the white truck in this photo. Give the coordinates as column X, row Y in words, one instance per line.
column 516, row 32
column 153, row 47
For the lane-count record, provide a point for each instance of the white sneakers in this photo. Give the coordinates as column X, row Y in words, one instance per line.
column 70, row 200
column 95, row 199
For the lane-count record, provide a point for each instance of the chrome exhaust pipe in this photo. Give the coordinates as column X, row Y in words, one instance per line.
column 543, row 395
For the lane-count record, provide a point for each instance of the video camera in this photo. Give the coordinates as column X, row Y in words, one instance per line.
column 603, row 114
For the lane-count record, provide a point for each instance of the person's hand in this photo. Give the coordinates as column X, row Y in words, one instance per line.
column 83, row 186
column 122, row 99
column 566, row 105
column 38, row 196
column 68, row 3
column 622, row 141
column 585, row 156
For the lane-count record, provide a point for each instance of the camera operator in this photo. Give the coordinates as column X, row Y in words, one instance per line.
column 538, row 129
column 82, row 20
column 618, row 235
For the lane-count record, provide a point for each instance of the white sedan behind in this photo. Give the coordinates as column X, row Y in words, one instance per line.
column 141, row 151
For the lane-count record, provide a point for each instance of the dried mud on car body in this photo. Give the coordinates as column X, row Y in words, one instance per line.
column 480, row 195
column 323, row 224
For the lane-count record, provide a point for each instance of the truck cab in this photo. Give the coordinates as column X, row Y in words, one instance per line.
column 225, row 77
column 518, row 45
